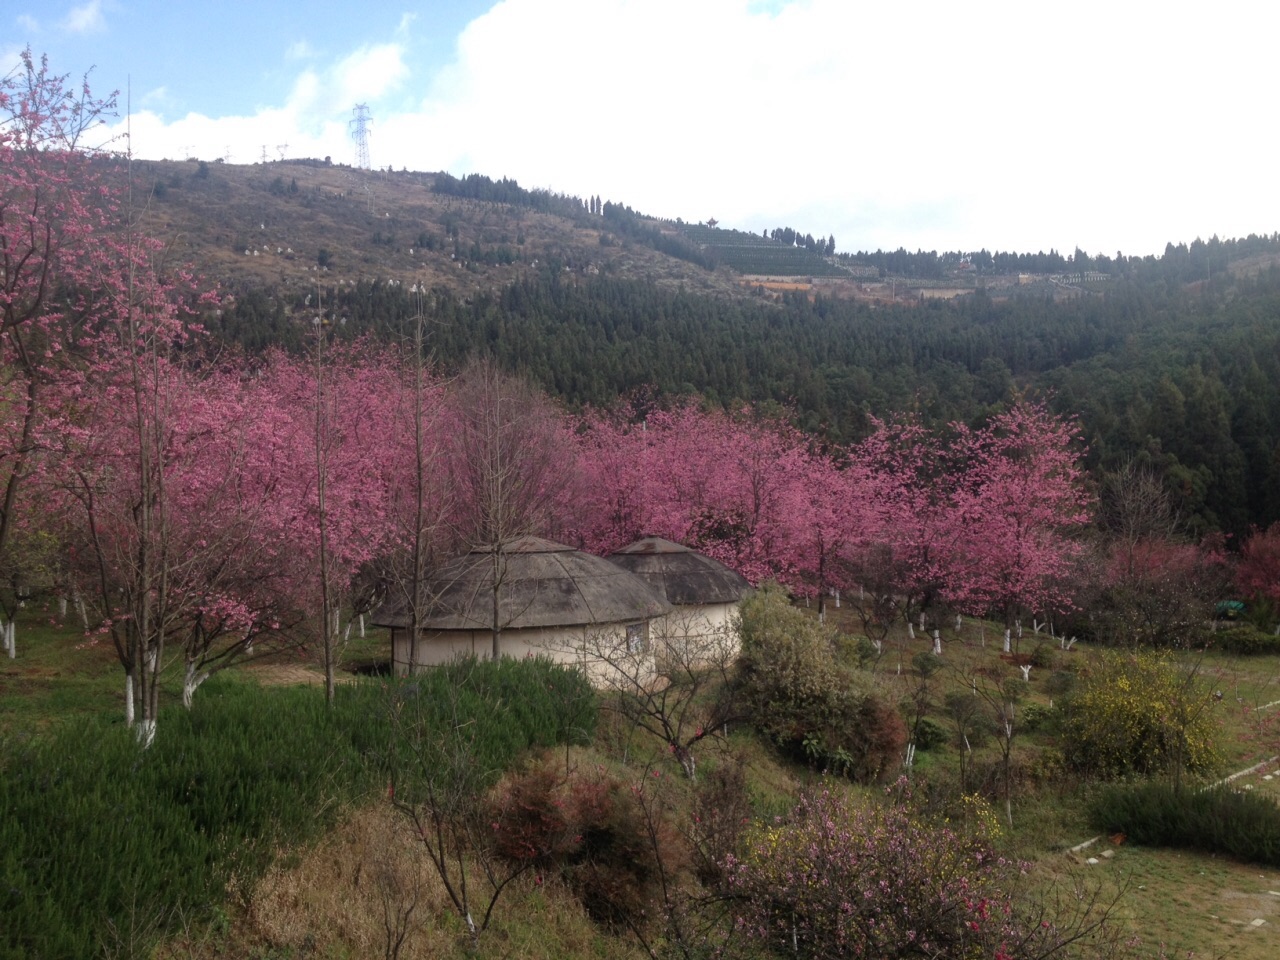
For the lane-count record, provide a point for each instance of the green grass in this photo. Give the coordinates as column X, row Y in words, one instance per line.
column 57, row 676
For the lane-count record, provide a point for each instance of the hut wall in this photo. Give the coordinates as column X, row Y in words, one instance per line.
column 598, row 649
column 701, row 625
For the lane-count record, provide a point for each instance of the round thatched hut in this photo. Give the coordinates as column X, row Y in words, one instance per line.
column 528, row 597
column 704, row 592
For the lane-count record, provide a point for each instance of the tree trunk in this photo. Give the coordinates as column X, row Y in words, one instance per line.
column 191, row 682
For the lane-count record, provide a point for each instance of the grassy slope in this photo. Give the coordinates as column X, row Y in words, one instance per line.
column 333, row 896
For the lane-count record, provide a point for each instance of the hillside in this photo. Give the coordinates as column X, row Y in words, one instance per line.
column 1170, row 361
column 299, row 224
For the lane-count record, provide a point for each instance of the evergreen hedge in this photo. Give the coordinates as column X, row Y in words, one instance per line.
column 1220, row 820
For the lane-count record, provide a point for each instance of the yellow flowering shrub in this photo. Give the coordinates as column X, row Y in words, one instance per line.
column 1138, row 714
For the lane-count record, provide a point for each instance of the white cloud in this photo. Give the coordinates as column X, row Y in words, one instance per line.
column 28, row 23
column 312, row 120
column 935, row 125
column 87, row 18
column 299, row 50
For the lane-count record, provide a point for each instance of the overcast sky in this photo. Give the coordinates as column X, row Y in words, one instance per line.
column 1013, row 126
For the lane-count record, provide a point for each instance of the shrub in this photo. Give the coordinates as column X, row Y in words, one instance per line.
column 929, row 734
column 926, row 663
column 843, row 879
column 591, row 829
column 1245, row 826
column 1136, row 714
column 1044, row 656
column 1246, row 640
column 1036, row 717
column 815, row 709
column 1060, row 683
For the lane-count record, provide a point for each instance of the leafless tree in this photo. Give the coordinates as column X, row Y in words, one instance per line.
column 420, row 499
column 679, row 685
column 507, row 458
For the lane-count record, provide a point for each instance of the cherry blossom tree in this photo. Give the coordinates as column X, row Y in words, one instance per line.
column 1018, row 491
column 905, row 551
column 1258, row 572
column 125, row 414
column 336, row 405
column 53, row 208
column 740, row 487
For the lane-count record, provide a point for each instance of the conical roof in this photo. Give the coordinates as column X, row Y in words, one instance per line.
column 680, row 574
column 541, row 584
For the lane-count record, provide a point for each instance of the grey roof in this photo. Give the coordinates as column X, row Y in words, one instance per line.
column 680, row 574
column 542, row 584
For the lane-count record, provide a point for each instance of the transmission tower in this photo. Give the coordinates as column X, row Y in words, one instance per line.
column 360, row 133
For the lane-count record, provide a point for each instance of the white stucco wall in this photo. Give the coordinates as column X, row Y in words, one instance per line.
column 598, row 649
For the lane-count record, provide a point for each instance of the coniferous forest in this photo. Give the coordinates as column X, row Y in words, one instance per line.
column 1175, row 378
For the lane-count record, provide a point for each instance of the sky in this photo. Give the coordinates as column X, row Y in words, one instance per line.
column 1111, row 126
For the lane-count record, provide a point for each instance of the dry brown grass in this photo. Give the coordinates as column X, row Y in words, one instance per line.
column 339, row 898
column 211, row 221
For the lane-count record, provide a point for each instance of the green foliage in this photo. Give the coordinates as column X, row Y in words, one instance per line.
column 1136, row 713
column 1246, row 640
column 1060, row 683
column 926, row 663
column 929, row 733
column 797, row 693
column 1044, row 656
column 97, row 831
column 1037, row 717
column 1220, row 821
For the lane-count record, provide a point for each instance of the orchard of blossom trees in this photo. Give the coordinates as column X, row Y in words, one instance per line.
column 200, row 506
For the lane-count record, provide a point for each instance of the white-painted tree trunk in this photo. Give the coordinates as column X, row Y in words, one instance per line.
column 191, row 683
column 1007, row 645
column 911, row 633
column 13, row 640
column 1026, row 672
column 62, row 607
column 146, row 733
column 837, row 599
column 128, row 700
column 937, row 643
column 362, row 626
